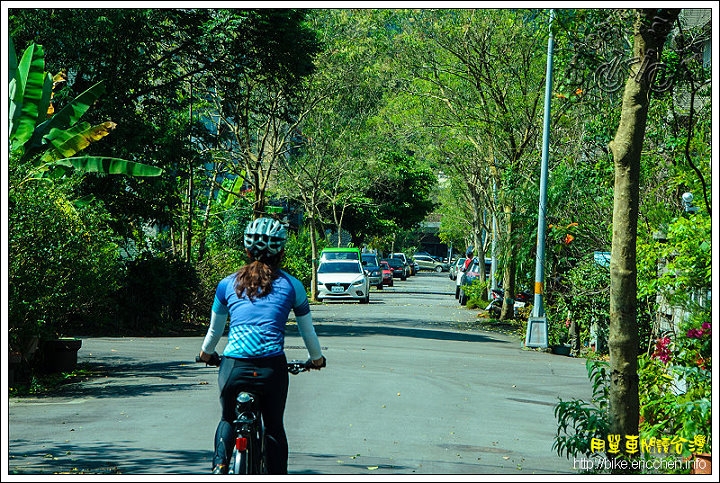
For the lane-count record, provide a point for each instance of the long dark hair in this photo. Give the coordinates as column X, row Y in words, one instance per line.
column 255, row 279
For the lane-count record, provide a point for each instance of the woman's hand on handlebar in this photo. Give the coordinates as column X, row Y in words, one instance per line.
column 317, row 363
column 209, row 359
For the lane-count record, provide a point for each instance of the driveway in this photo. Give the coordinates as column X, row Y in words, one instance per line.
column 408, row 390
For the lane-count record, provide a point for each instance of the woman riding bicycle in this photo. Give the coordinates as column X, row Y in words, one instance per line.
column 258, row 299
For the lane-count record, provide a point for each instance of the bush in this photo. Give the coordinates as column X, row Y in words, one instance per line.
column 156, row 291
column 64, row 267
column 588, row 300
column 298, row 257
column 675, row 386
column 476, row 293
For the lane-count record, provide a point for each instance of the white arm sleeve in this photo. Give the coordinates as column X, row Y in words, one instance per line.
column 307, row 332
column 215, row 331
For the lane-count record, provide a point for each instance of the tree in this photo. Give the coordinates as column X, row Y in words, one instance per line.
column 254, row 90
column 493, row 104
column 651, row 29
column 55, row 257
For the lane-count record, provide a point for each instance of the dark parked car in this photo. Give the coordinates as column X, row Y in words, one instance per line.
column 399, row 268
column 409, row 264
column 371, row 265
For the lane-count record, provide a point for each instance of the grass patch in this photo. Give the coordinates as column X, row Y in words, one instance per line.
column 508, row 327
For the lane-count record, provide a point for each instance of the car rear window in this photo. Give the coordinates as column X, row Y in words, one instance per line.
column 339, row 267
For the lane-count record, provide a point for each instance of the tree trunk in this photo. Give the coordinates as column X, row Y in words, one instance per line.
column 312, row 226
column 650, row 31
column 508, row 305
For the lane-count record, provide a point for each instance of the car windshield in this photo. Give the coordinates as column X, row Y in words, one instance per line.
column 339, row 267
column 371, row 261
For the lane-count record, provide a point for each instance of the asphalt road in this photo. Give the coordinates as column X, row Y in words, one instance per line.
column 408, row 390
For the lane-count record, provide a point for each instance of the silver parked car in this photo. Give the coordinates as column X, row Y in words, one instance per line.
column 373, row 270
column 426, row 262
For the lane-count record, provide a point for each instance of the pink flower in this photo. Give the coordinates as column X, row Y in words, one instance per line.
column 694, row 333
column 662, row 349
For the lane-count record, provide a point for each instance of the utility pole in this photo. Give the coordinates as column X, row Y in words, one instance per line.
column 537, row 328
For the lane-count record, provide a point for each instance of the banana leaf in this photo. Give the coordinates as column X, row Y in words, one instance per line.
column 67, row 143
column 107, row 165
column 64, row 119
column 28, row 98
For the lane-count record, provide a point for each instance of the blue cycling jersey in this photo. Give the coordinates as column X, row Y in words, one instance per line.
column 257, row 327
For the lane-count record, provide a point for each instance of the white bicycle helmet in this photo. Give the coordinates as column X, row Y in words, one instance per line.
column 265, row 236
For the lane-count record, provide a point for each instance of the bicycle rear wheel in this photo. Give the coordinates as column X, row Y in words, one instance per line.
column 239, row 463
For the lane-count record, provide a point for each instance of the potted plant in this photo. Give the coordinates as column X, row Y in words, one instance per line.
column 557, row 337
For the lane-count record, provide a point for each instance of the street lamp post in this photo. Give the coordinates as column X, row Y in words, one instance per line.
column 537, row 329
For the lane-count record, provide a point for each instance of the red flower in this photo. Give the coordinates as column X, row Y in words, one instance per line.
column 662, row 349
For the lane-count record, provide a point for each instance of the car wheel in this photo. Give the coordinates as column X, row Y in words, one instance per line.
column 380, row 286
column 403, row 278
column 463, row 298
column 438, row 269
column 391, row 283
column 365, row 300
column 457, row 291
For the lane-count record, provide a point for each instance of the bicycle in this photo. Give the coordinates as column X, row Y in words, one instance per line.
column 248, row 456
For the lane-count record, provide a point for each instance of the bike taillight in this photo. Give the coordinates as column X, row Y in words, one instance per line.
column 241, row 444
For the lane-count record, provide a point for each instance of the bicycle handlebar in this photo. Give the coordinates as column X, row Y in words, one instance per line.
column 214, row 359
column 294, row 367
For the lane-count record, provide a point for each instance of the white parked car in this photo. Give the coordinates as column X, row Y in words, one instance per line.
column 342, row 280
column 456, row 268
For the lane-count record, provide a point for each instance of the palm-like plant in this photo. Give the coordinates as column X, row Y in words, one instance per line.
column 49, row 141
column 55, row 258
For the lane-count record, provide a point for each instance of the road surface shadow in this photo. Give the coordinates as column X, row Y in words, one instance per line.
column 109, row 458
column 324, row 329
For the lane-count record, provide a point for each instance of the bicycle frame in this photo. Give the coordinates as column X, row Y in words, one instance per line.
column 248, row 457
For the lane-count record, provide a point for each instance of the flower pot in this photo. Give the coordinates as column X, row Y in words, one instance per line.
column 561, row 350
column 60, row 355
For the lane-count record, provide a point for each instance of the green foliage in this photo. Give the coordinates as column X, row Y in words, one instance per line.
column 688, row 260
column 586, row 297
column 400, row 198
column 154, row 295
column 675, row 386
column 63, row 267
column 580, row 421
column 298, row 257
column 50, row 140
column 476, row 293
